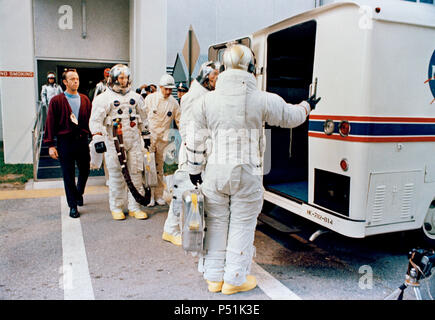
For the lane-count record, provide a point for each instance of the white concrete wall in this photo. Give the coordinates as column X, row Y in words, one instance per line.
column 18, row 100
column 1, row 124
column 107, row 25
column 148, row 40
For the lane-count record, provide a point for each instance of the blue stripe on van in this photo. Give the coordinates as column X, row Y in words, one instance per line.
column 380, row 129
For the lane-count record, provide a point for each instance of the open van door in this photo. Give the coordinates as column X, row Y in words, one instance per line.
column 215, row 52
column 289, row 74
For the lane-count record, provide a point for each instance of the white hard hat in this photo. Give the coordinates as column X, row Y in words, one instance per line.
column 238, row 56
column 167, row 81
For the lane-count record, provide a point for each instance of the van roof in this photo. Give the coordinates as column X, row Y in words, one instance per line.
column 406, row 12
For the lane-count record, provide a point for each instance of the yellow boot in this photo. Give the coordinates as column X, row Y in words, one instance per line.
column 118, row 215
column 249, row 284
column 173, row 239
column 214, row 286
column 140, row 215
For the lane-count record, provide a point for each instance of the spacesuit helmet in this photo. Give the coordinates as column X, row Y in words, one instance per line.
column 116, row 71
column 238, row 56
column 51, row 75
column 207, row 68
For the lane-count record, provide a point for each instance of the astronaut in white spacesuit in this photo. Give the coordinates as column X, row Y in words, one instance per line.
column 49, row 90
column 233, row 115
column 118, row 124
column 204, row 82
column 102, row 85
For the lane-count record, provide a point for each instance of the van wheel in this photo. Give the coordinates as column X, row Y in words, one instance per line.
column 429, row 225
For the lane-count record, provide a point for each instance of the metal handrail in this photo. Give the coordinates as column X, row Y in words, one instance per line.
column 37, row 136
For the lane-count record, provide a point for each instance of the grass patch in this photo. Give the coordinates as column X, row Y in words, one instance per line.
column 10, row 173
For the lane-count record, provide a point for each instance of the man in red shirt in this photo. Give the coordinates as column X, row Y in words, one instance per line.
column 68, row 120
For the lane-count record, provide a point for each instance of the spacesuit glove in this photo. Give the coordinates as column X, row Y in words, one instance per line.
column 196, row 179
column 312, row 101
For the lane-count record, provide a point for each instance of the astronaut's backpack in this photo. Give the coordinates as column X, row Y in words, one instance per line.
column 150, row 171
column 192, row 221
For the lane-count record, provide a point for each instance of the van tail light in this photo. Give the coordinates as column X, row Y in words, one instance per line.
column 328, row 127
column 344, row 128
column 344, row 165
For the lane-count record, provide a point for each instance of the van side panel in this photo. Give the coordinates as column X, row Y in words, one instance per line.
column 401, row 56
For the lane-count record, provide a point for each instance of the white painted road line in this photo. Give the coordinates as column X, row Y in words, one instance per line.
column 77, row 283
column 270, row 286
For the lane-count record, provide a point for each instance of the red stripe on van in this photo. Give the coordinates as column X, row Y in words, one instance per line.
column 370, row 139
column 371, row 119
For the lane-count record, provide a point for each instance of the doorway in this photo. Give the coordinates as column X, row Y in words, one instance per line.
column 289, row 74
column 90, row 73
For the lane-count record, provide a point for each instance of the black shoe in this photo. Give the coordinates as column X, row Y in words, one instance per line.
column 80, row 201
column 73, row 213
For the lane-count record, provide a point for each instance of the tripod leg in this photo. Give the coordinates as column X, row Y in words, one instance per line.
column 417, row 293
column 396, row 294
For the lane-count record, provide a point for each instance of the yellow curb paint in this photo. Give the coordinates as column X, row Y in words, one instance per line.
column 47, row 193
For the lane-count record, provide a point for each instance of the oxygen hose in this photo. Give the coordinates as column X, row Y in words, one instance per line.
column 118, row 140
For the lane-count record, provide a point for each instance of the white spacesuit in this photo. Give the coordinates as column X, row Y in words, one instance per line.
column 161, row 109
column 119, row 109
column 102, row 85
column 233, row 115
column 204, row 83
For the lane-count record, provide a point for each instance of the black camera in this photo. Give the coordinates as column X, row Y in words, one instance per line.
column 422, row 260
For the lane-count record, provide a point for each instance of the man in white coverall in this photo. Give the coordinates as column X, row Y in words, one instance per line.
column 49, row 90
column 122, row 108
column 161, row 109
column 233, row 115
column 205, row 82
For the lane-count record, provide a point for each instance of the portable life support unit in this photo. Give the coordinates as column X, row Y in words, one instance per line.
column 150, row 171
column 192, row 221
column 363, row 164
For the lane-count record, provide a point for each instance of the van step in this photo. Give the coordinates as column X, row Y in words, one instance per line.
column 275, row 224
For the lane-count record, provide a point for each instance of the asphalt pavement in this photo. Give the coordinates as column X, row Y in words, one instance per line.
column 45, row 255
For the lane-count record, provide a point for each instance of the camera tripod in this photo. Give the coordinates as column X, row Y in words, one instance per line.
column 419, row 265
column 411, row 280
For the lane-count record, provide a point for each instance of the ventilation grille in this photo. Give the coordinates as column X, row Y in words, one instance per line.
column 378, row 204
column 408, row 192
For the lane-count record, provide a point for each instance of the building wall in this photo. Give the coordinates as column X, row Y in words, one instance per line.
column 219, row 21
column 1, row 125
column 108, row 30
column 18, row 100
column 148, row 41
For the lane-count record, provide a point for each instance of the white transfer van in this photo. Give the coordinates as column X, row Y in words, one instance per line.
column 364, row 161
